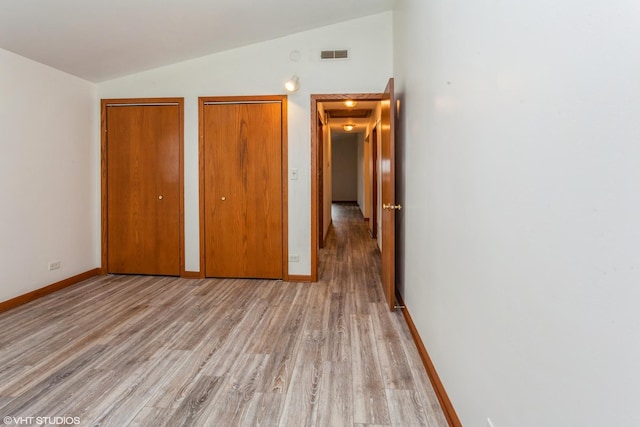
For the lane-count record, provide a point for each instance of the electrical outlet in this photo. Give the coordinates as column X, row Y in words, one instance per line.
column 54, row 265
column 294, row 258
column 489, row 423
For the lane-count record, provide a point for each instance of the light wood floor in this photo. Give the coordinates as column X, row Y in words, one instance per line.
column 162, row 351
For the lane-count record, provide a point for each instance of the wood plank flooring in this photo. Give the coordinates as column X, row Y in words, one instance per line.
column 163, row 351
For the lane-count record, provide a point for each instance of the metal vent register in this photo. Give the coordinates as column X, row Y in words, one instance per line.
column 334, row 54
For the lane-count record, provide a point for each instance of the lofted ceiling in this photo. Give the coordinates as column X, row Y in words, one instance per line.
column 99, row 40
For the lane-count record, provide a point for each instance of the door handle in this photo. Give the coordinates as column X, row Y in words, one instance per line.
column 389, row 206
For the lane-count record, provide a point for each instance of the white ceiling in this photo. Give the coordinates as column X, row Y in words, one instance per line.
column 103, row 39
column 336, row 124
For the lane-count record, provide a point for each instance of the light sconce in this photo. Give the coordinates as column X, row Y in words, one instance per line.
column 350, row 103
column 348, row 127
column 292, row 84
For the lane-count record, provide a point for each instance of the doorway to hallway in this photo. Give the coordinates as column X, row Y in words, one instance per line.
column 339, row 111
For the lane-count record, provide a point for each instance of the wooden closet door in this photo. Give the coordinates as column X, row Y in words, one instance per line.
column 243, row 190
column 143, row 189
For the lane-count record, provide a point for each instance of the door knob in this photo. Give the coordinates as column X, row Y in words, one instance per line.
column 159, row 197
column 389, row 206
column 223, row 198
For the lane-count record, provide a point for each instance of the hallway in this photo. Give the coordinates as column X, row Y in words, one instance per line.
column 164, row 351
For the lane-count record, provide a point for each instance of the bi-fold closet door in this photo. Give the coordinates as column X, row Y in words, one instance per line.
column 242, row 186
column 243, row 160
column 142, row 186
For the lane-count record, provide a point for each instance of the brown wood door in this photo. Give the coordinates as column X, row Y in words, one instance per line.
column 388, row 181
column 143, row 146
column 243, row 189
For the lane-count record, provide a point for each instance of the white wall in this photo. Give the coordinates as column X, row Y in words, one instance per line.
column 261, row 69
column 375, row 121
column 521, row 134
column 344, row 155
column 49, row 175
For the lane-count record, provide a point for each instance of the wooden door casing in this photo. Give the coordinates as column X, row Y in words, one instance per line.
column 316, row 168
column 142, row 186
column 320, row 202
column 373, row 225
column 242, row 183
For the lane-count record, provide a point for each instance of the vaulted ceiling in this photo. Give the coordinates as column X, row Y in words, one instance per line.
column 103, row 39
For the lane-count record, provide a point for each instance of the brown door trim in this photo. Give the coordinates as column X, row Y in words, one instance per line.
column 103, row 168
column 315, row 157
column 285, row 188
column 374, row 182
column 320, row 197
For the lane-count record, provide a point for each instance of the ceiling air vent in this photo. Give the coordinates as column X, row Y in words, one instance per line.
column 334, row 54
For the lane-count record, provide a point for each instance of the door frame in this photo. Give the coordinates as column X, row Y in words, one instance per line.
column 284, row 173
column 103, row 169
column 315, row 166
column 374, row 182
column 320, row 196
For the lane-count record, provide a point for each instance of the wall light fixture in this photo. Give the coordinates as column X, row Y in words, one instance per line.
column 293, row 84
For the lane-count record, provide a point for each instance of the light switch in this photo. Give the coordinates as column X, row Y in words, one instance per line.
column 294, row 174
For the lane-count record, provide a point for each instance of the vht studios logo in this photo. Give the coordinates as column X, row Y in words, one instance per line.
column 56, row 421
